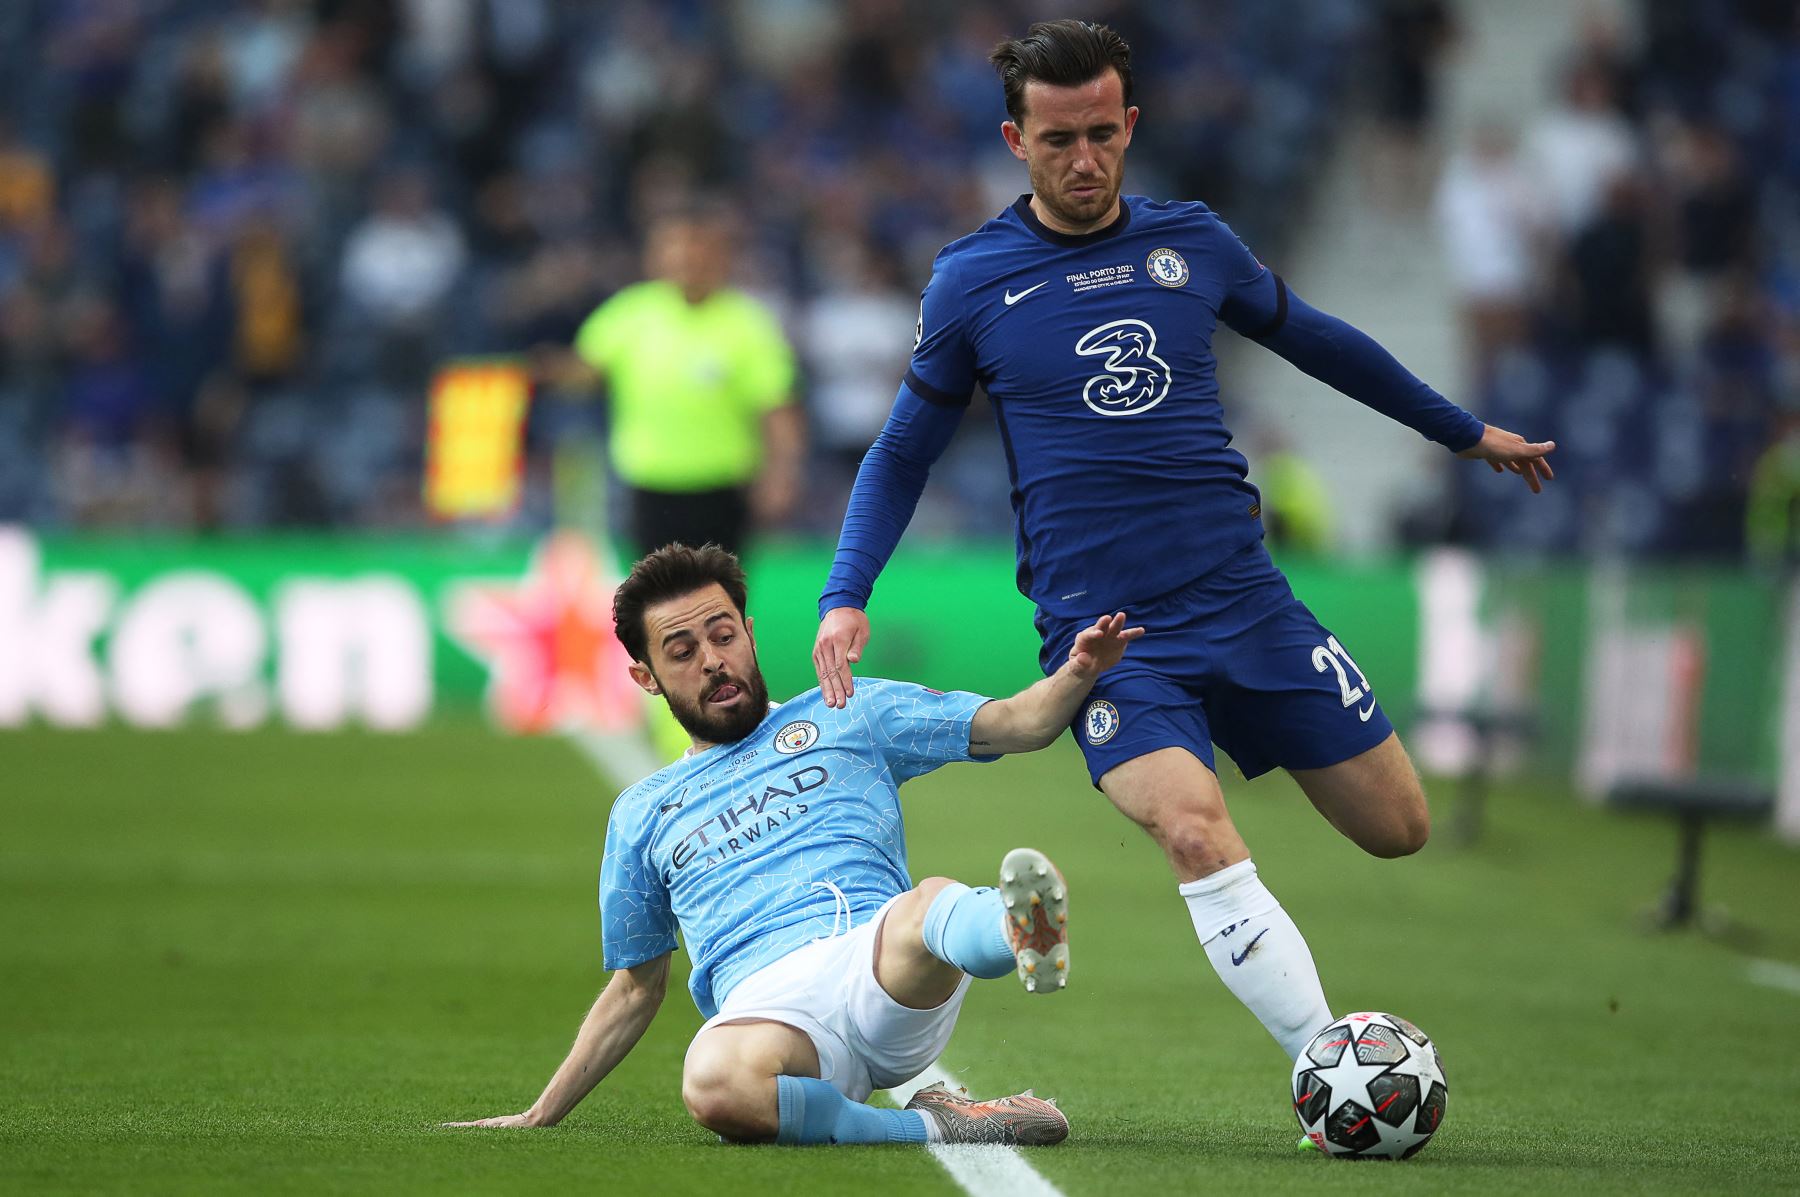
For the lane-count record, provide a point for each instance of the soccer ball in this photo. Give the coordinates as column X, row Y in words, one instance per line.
column 1370, row 1086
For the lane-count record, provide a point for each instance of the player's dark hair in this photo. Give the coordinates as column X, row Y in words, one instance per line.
column 670, row 572
column 1063, row 53
column 703, row 209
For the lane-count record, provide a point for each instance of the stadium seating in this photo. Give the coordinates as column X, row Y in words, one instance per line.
column 506, row 155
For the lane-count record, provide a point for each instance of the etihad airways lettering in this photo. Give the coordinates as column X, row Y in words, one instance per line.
column 730, row 830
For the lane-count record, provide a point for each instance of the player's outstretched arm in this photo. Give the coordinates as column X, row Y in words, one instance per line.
column 888, row 485
column 1034, row 717
column 618, row 1019
column 1509, row 451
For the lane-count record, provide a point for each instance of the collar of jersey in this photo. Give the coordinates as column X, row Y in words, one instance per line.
column 1022, row 207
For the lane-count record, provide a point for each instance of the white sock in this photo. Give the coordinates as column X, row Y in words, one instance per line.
column 1259, row 954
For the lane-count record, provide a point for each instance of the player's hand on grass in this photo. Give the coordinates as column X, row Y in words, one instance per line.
column 1100, row 647
column 528, row 1118
column 1509, row 451
column 842, row 634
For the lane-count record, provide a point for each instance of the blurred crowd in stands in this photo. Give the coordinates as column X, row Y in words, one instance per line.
column 237, row 236
column 1629, row 270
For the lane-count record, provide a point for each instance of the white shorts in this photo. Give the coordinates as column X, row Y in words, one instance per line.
column 865, row 1039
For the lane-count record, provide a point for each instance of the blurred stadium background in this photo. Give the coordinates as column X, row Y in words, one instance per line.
column 274, row 275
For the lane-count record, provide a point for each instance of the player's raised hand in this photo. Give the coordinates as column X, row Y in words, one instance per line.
column 839, row 645
column 1509, row 451
column 1100, row 647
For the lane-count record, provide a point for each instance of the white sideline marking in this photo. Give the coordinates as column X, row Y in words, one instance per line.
column 622, row 759
column 1776, row 975
column 981, row 1171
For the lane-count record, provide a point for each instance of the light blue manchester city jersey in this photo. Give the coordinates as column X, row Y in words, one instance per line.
column 757, row 848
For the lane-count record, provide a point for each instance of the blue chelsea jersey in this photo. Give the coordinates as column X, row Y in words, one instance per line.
column 1096, row 351
column 757, row 848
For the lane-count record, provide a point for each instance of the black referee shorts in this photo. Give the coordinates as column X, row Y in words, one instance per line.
column 720, row 517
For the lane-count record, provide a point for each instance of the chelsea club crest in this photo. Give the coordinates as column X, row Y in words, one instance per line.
column 1100, row 721
column 797, row 736
column 1168, row 268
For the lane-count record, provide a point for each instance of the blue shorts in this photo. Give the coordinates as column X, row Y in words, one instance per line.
column 1232, row 659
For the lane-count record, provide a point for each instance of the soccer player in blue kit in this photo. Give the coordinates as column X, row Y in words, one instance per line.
column 1088, row 319
column 776, row 846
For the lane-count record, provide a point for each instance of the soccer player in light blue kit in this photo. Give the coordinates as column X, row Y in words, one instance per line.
column 777, row 849
column 1088, row 319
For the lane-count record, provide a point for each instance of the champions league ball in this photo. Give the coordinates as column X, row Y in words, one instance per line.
column 1370, row 1086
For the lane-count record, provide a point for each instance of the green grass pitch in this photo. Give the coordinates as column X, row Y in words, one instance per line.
column 275, row 962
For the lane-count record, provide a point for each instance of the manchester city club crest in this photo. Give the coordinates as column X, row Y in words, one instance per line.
column 1100, row 722
column 797, row 736
column 1168, row 268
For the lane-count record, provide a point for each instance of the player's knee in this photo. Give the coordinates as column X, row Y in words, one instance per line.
column 1195, row 843
column 909, row 916
column 1415, row 828
column 1402, row 834
column 719, row 1102
column 928, row 890
column 715, row 1109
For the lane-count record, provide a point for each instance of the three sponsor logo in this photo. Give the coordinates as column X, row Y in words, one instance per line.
column 1133, row 378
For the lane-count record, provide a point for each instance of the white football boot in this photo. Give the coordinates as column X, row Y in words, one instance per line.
column 1037, row 919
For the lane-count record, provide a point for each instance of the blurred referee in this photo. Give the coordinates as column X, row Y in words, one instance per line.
column 704, row 430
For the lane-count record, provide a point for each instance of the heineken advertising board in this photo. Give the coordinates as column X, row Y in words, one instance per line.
column 318, row 633
column 1605, row 674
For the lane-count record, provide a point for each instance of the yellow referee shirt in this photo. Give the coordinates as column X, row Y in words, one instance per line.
column 689, row 384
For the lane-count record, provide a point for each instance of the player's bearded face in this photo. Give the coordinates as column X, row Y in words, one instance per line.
column 727, row 707
column 1076, row 196
column 703, row 662
column 1073, row 142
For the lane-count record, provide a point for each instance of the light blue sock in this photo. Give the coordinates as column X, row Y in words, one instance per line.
column 966, row 927
column 811, row 1111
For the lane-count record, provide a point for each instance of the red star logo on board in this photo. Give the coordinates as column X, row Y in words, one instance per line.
column 547, row 640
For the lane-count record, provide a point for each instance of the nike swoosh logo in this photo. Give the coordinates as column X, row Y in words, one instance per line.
column 1012, row 299
column 1248, row 948
column 1364, row 714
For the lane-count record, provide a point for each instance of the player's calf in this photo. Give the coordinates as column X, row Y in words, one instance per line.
column 907, row 966
column 1021, row 926
column 964, row 928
